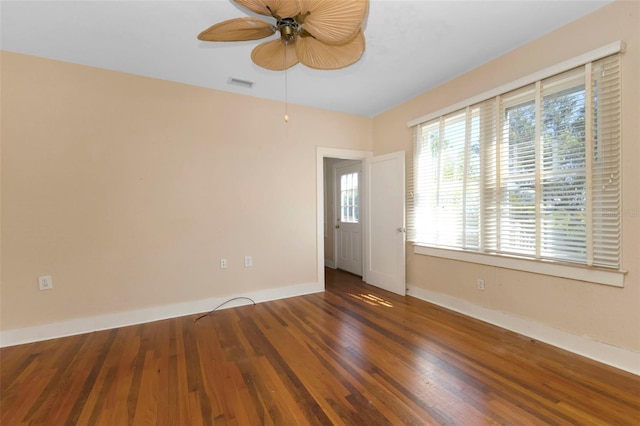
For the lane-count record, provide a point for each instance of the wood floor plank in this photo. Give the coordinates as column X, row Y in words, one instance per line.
column 352, row 355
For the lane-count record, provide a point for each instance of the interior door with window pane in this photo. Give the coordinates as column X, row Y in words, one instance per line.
column 348, row 218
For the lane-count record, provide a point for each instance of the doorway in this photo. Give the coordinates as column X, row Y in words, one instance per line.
column 381, row 197
column 344, row 215
column 326, row 159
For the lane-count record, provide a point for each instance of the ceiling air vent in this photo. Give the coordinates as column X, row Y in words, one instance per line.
column 239, row 82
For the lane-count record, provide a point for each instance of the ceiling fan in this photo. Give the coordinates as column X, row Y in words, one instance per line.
column 321, row 34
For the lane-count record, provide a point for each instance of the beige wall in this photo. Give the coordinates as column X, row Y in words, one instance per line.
column 606, row 314
column 128, row 191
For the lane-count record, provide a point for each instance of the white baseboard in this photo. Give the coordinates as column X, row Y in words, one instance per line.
column 623, row 359
column 123, row 319
column 329, row 263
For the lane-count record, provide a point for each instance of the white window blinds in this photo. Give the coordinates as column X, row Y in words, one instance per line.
column 533, row 172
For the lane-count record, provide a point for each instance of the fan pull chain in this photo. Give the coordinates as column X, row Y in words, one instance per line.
column 286, row 85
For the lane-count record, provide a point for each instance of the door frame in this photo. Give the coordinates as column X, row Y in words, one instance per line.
column 321, row 154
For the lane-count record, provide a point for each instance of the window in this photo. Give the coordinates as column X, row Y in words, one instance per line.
column 533, row 172
column 349, row 198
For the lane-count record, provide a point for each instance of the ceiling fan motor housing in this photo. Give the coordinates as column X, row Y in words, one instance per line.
column 288, row 28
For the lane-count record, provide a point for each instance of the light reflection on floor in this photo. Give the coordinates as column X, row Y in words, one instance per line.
column 371, row 299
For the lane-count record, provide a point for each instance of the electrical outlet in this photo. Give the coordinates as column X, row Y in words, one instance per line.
column 45, row 282
column 223, row 263
column 480, row 284
column 248, row 261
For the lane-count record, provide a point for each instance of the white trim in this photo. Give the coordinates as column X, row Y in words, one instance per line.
column 321, row 154
column 609, row 49
column 156, row 313
column 623, row 359
column 575, row 272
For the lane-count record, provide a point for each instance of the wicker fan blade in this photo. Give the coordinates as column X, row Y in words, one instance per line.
column 282, row 8
column 271, row 55
column 238, row 29
column 334, row 21
column 316, row 54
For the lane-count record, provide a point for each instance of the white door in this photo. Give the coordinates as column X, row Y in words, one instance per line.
column 385, row 228
column 348, row 178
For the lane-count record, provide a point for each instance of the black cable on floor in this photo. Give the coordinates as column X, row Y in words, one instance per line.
column 222, row 304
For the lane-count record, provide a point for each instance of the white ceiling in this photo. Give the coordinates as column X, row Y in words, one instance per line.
column 412, row 46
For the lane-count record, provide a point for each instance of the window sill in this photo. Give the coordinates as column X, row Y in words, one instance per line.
column 556, row 269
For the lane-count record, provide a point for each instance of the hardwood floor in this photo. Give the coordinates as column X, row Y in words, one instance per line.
column 352, row 355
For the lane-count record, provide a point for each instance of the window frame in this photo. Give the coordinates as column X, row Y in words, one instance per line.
column 352, row 193
column 593, row 274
